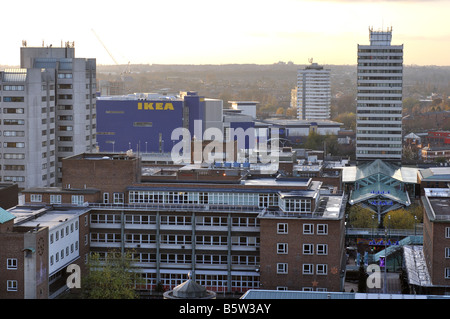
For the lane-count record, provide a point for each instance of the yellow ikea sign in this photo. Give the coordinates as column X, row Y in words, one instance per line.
column 155, row 106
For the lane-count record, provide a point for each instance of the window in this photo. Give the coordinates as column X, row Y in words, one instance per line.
column 308, row 269
column 14, row 122
column 282, row 268
column 11, row 263
column 322, row 249
column 322, row 229
column 282, row 248
column 322, row 269
column 308, row 229
column 77, row 199
column 55, row 199
column 105, row 198
column 118, row 198
column 308, row 249
column 447, row 252
column 447, row 273
column 282, row 228
column 36, row 198
column 11, row 285
column 447, row 232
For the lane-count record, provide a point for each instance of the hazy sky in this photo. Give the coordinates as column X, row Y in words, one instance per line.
column 232, row 31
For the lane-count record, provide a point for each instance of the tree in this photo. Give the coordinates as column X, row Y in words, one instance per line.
column 360, row 217
column 112, row 278
column 362, row 279
column 291, row 112
column 348, row 119
column 399, row 219
column 314, row 141
column 280, row 111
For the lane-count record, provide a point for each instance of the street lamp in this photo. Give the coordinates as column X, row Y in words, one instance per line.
column 415, row 223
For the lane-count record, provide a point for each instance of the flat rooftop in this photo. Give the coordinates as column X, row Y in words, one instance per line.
column 31, row 216
column 438, row 203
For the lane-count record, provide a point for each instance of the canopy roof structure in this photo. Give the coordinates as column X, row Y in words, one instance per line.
column 380, row 186
column 404, row 174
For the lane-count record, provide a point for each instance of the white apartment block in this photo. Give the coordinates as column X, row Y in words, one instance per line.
column 75, row 97
column 313, row 93
column 379, row 99
column 27, row 127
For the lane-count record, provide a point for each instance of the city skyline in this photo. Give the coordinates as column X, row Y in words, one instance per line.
column 202, row 32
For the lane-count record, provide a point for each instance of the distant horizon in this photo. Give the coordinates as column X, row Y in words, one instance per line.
column 204, row 32
column 224, row 64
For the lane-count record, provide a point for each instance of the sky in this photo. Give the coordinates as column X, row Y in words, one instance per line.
column 223, row 32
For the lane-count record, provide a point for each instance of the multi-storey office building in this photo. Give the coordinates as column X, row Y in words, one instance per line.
column 74, row 97
column 27, row 127
column 379, row 99
column 206, row 221
column 313, row 93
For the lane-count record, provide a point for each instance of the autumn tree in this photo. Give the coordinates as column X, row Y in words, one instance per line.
column 399, row 219
column 360, row 217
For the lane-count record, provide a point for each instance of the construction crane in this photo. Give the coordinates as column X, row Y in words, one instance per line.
column 99, row 40
column 127, row 69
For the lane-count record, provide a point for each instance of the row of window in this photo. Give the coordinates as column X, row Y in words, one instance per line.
column 58, row 255
column 308, row 229
column 217, row 198
column 243, row 260
column 307, row 269
column 173, row 220
column 212, row 282
column 64, row 231
column 209, row 240
column 307, row 249
column 57, row 199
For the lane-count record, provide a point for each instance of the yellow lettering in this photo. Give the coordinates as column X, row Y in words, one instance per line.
column 158, row 106
column 168, row 106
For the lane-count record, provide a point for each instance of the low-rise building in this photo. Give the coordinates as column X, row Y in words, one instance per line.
column 218, row 223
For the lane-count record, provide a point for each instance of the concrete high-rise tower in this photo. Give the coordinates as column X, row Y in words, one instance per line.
column 313, row 93
column 379, row 99
column 75, row 97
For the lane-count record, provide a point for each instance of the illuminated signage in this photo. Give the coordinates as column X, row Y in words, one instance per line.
column 155, row 106
column 381, row 202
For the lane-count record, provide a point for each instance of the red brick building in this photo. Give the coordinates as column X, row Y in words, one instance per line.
column 38, row 243
column 304, row 251
column 436, row 239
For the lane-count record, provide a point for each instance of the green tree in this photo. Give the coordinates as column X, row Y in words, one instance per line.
column 112, row 278
column 360, row 217
column 314, row 141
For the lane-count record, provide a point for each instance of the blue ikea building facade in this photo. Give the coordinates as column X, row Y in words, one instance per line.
column 145, row 125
